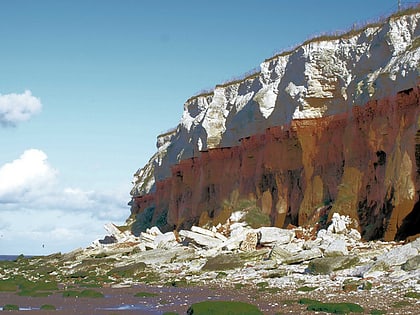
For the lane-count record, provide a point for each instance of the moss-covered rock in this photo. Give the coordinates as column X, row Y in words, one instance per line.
column 10, row 307
column 327, row 265
column 48, row 307
column 129, row 271
column 223, row 307
column 233, row 261
column 336, row 308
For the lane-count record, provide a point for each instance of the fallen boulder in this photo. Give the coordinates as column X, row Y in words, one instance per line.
column 274, row 235
column 327, row 265
column 336, row 248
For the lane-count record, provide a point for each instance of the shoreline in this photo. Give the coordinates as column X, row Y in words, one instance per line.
column 122, row 300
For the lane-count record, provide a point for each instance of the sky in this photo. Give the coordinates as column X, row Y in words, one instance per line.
column 87, row 85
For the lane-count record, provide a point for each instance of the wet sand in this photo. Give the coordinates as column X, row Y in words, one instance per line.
column 178, row 299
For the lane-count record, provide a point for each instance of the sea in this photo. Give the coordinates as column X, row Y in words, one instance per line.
column 9, row 257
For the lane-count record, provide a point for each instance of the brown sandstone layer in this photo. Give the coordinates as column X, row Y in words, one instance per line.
column 364, row 163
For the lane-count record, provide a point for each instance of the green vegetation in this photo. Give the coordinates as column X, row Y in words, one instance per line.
column 262, row 285
column 256, row 219
column 39, row 288
column 83, row 294
column 233, row 261
column 129, row 271
column 415, row 44
column 223, row 307
column 413, row 295
column 401, row 304
column 170, row 313
column 377, row 312
column 8, row 285
column 306, row 289
column 238, row 286
column 48, row 307
column 10, row 307
column 145, row 294
column 336, row 308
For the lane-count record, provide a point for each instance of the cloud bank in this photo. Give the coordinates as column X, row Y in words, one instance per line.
column 39, row 215
column 23, row 177
column 15, row 108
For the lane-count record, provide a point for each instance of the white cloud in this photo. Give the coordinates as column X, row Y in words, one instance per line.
column 36, row 210
column 15, row 108
column 28, row 175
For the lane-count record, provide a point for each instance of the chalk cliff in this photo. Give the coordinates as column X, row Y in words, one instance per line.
column 331, row 126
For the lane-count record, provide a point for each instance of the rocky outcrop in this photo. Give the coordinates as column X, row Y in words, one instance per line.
column 330, row 127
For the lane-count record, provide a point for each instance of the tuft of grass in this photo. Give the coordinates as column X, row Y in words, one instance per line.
column 11, row 307
column 401, row 304
column 145, row 294
column 307, row 301
column 262, row 285
column 223, row 307
column 238, row 286
column 413, row 295
column 377, row 312
column 256, row 219
column 48, row 307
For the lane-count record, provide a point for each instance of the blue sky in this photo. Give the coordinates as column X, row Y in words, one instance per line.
column 103, row 78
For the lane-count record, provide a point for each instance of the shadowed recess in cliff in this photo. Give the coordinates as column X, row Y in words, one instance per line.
column 410, row 225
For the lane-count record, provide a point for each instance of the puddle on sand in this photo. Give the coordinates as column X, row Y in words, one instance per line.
column 25, row 309
column 130, row 307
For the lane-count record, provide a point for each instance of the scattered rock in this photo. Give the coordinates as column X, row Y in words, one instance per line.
column 250, row 242
column 201, row 239
column 327, row 265
column 411, row 264
column 339, row 224
column 303, row 255
column 274, row 235
column 398, row 255
column 336, row 248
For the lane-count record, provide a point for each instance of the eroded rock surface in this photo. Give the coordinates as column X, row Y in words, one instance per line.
column 329, row 127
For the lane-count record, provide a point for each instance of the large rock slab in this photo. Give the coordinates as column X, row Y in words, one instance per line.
column 327, row 265
column 336, row 248
column 273, row 235
column 162, row 256
column 201, row 239
column 233, row 261
column 281, row 254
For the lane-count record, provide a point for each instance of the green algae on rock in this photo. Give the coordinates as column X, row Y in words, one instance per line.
column 223, row 307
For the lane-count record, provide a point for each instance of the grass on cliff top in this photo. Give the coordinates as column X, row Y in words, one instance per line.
column 223, row 307
column 355, row 29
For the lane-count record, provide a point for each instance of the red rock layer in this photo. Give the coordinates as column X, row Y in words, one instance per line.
column 364, row 163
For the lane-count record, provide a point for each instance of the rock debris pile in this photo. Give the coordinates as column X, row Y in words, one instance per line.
column 235, row 253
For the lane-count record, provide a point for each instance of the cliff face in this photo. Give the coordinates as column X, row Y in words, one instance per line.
column 328, row 127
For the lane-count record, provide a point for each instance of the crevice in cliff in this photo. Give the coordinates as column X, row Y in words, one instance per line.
column 410, row 225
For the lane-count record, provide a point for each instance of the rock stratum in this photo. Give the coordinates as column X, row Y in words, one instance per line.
column 332, row 126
